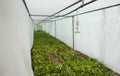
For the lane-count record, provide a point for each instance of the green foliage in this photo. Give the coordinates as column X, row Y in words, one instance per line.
column 51, row 57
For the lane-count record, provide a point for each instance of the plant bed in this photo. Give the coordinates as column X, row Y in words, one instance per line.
column 52, row 57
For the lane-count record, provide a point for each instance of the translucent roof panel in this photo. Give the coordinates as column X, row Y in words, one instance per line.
column 47, row 7
column 40, row 9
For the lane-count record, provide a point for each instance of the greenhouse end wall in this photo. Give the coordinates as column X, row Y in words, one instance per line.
column 97, row 35
column 16, row 39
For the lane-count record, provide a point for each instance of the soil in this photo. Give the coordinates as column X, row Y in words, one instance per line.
column 55, row 59
column 81, row 55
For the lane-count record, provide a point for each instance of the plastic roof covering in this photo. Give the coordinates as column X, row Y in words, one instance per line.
column 48, row 7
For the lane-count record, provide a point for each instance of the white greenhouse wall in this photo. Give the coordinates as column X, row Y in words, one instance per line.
column 53, row 28
column 99, row 35
column 64, row 31
column 88, row 40
column 16, row 39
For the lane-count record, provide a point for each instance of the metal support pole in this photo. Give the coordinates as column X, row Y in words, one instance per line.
column 83, row 4
column 97, row 9
column 79, row 7
column 27, row 10
column 55, row 29
column 32, row 47
column 73, row 32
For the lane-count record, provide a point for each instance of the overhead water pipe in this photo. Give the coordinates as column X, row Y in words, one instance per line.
column 62, row 10
column 83, row 4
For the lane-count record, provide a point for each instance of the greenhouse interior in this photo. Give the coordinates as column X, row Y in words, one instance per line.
column 59, row 38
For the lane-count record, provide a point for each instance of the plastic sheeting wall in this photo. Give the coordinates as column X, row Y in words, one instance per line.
column 16, row 39
column 89, row 39
column 64, row 31
column 52, row 28
column 99, row 36
column 61, row 29
column 49, row 27
column 99, row 33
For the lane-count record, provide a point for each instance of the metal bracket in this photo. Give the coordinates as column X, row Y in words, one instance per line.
column 82, row 2
column 77, row 30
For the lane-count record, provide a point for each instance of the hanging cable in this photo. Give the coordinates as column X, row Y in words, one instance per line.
column 77, row 24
